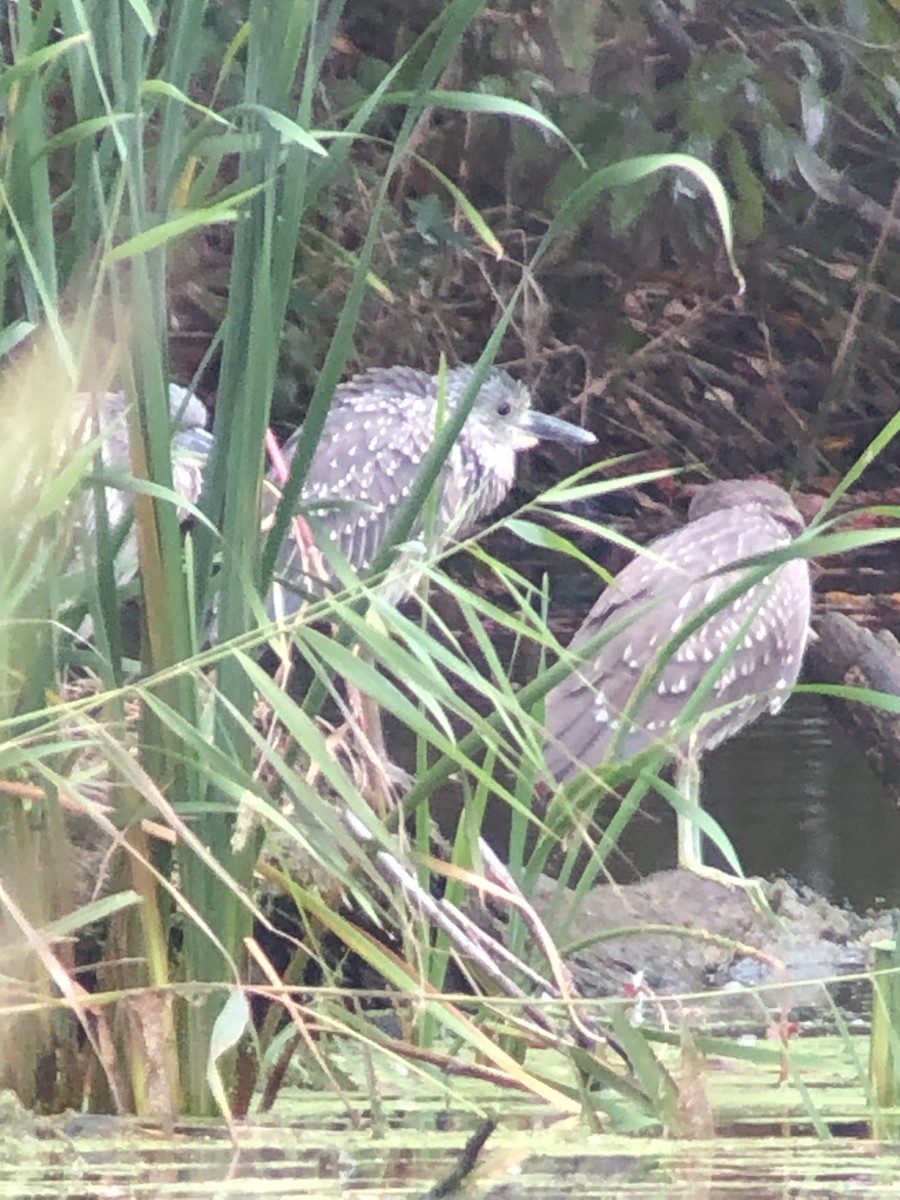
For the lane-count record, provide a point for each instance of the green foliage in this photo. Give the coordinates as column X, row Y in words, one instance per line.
column 145, row 775
column 884, row 1048
column 110, row 161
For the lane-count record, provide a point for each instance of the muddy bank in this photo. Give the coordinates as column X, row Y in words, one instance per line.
column 675, row 934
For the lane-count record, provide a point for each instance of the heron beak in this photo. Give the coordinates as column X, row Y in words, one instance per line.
column 538, row 426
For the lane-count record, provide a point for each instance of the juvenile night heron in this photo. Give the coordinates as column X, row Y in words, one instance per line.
column 104, row 417
column 381, row 425
column 742, row 660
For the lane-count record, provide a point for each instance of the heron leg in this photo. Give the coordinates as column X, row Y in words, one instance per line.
column 383, row 778
column 690, row 839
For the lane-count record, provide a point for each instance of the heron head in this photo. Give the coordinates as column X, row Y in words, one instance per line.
column 757, row 495
column 503, row 409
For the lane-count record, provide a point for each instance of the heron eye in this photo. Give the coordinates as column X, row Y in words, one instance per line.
column 504, row 409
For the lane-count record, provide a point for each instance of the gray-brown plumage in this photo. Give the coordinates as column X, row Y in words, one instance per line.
column 376, row 436
column 104, row 416
column 751, row 650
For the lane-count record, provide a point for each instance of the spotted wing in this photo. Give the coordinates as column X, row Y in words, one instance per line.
column 600, row 713
column 375, row 437
column 107, row 415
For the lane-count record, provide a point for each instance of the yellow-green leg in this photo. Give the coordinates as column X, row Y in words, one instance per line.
column 690, row 838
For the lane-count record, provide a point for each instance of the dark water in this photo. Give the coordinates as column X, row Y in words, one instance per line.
column 793, row 793
column 307, row 1161
column 796, row 797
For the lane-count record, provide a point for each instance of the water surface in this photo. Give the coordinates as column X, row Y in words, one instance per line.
column 797, row 796
column 313, row 1162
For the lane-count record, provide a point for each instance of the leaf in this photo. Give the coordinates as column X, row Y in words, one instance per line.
column 582, row 199
column 161, row 87
column 227, row 1031
column 83, row 130
column 168, row 231
column 33, row 63
column 287, row 130
column 143, row 14
column 490, row 105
